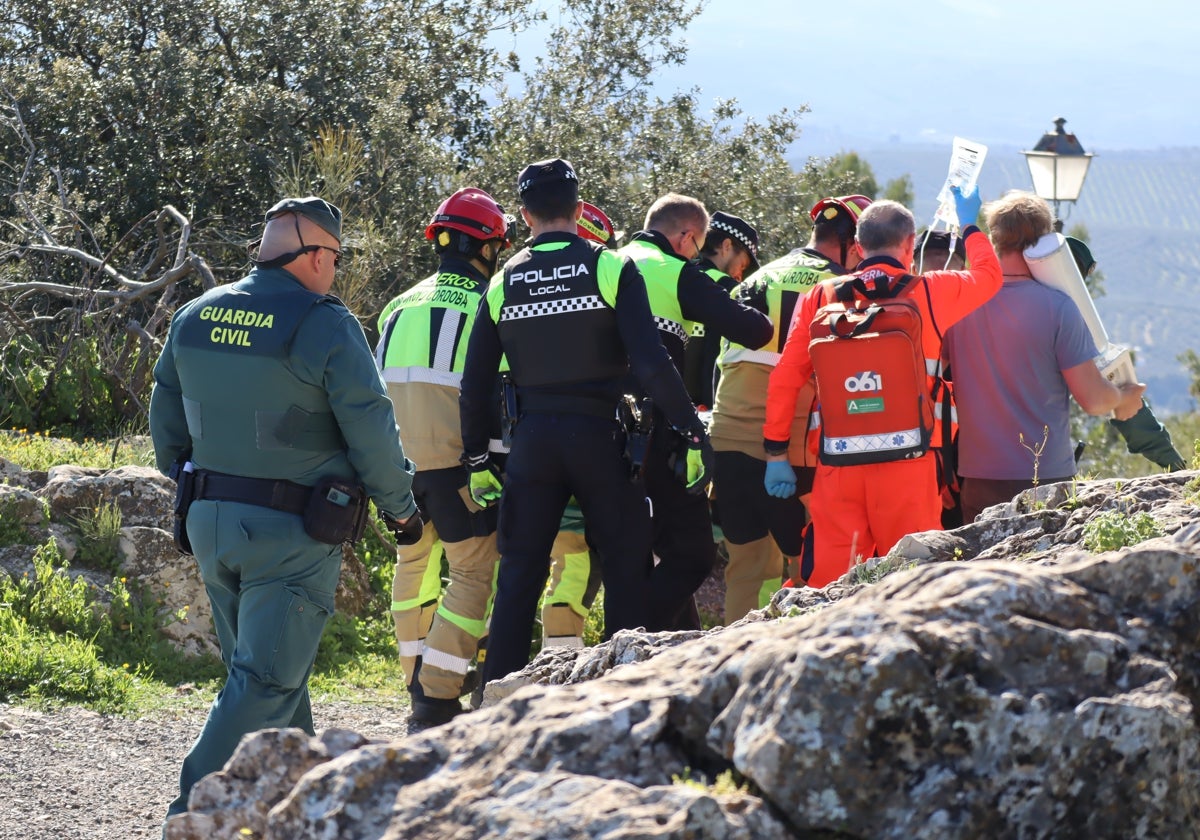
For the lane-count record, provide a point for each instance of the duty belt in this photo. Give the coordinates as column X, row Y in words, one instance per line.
column 567, row 404
column 277, row 494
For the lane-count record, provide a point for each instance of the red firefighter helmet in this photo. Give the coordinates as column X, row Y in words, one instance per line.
column 829, row 208
column 475, row 213
column 593, row 224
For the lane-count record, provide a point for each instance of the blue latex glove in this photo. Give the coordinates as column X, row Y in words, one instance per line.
column 780, row 480
column 966, row 205
column 485, row 485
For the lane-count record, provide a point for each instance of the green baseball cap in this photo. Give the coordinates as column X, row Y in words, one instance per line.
column 317, row 210
column 1082, row 254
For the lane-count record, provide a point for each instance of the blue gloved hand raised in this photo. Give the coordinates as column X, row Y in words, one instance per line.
column 780, row 480
column 966, row 205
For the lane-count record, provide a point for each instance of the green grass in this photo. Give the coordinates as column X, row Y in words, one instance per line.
column 67, row 639
column 727, row 783
column 873, row 572
column 39, row 451
column 12, row 529
column 100, row 528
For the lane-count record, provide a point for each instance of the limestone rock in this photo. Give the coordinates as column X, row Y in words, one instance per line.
column 143, row 494
column 261, row 772
column 949, row 690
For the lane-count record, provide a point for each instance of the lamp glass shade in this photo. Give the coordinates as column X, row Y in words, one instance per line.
column 1057, row 177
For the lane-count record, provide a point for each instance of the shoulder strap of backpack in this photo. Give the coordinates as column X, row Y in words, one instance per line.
column 932, row 317
column 853, row 286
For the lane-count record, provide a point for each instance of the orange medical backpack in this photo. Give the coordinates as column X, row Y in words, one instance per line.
column 869, row 363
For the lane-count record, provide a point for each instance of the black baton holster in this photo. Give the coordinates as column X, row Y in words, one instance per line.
column 183, row 472
column 636, row 419
column 509, row 411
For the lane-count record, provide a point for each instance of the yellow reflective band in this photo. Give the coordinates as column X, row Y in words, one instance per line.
column 475, row 627
column 595, row 230
column 573, row 583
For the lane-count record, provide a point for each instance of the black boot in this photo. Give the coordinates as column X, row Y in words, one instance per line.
column 431, row 711
column 473, row 685
column 434, row 711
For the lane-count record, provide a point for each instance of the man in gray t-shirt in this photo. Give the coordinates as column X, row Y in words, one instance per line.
column 1016, row 362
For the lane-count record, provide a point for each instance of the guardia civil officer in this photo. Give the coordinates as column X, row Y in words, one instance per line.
column 270, row 384
column 680, row 295
column 422, row 348
column 572, row 319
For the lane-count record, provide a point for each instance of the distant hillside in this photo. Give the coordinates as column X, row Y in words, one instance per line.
column 1142, row 210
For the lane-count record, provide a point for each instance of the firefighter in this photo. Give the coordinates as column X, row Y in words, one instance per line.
column 265, row 390
column 862, row 510
column 572, row 319
column 761, row 531
column 422, row 347
column 681, row 294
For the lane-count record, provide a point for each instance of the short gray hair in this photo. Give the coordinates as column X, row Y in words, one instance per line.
column 885, row 225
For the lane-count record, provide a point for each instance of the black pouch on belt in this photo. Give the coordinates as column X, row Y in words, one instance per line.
column 185, row 488
column 336, row 512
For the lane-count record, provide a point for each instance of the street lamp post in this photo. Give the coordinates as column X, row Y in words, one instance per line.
column 1058, row 166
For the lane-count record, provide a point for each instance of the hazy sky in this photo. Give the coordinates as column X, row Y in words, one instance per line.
column 996, row 71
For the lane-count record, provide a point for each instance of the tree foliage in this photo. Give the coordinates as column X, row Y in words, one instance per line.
column 116, row 113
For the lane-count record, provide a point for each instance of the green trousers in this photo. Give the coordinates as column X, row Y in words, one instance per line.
column 272, row 590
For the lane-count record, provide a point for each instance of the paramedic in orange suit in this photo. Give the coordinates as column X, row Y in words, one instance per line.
column 863, row 510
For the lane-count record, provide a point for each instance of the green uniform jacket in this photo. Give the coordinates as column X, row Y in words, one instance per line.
column 265, row 379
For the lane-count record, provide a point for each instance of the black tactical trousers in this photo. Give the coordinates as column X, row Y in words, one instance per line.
column 683, row 538
column 553, row 457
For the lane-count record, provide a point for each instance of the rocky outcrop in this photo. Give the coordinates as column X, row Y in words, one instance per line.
column 994, row 681
column 40, row 506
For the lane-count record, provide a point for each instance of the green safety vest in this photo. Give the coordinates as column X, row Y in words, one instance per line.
column 423, row 332
column 661, row 272
column 776, row 289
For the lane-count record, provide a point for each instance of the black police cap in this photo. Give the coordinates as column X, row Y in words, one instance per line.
column 740, row 230
column 546, row 172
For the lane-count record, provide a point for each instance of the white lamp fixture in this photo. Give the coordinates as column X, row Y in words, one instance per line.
column 1058, row 165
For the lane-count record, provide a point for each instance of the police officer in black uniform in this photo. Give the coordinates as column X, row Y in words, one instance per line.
column 572, row 319
column 729, row 256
